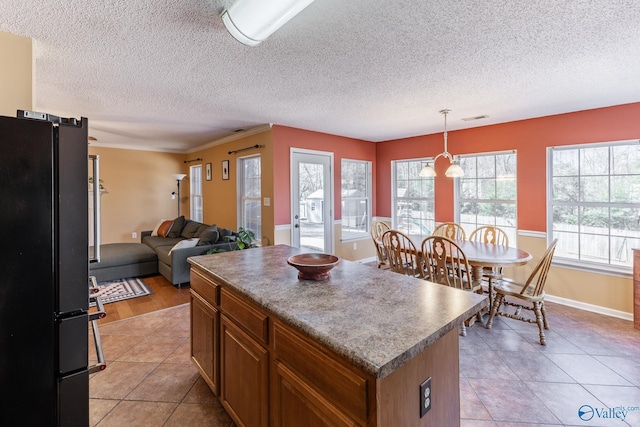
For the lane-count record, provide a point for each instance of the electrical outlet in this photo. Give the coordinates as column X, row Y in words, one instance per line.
column 425, row 397
column 355, row 246
column 134, row 235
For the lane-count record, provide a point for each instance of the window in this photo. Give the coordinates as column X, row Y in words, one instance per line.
column 356, row 199
column 594, row 203
column 413, row 203
column 249, row 184
column 195, row 186
column 486, row 194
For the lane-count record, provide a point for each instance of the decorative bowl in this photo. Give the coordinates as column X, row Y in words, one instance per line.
column 313, row 266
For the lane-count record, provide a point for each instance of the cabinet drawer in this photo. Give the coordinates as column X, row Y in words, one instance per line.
column 343, row 387
column 251, row 320
column 209, row 290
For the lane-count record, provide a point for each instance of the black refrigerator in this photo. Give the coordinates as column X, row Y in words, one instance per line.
column 44, row 271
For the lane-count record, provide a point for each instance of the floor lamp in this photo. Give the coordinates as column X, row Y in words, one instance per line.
column 179, row 177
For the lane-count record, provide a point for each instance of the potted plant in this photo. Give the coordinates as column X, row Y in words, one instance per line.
column 244, row 239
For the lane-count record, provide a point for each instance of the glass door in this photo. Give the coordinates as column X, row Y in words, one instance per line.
column 312, row 200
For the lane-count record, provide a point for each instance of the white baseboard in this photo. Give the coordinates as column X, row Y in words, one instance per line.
column 590, row 307
column 367, row 260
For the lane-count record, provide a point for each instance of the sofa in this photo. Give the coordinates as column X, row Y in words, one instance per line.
column 176, row 240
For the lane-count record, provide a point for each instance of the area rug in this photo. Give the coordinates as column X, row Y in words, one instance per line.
column 123, row 289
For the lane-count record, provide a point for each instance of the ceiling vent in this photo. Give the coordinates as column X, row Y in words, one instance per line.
column 468, row 119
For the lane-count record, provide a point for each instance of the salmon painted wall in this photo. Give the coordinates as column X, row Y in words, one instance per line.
column 284, row 138
column 529, row 137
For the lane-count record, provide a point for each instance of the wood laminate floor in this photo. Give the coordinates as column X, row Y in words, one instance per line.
column 164, row 295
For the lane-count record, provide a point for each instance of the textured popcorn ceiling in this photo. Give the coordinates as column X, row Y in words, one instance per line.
column 165, row 74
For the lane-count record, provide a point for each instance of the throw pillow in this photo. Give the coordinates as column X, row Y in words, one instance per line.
column 202, row 228
column 190, row 229
column 155, row 229
column 164, row 228
column 176, row 228
column 225, row 232
column 187, row 243
column 209, row 236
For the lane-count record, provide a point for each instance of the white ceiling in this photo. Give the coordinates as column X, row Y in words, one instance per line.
column 166, row 75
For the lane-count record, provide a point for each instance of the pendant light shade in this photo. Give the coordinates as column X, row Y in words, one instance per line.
column 427, row 171
column 252, row 21
column 454, row 170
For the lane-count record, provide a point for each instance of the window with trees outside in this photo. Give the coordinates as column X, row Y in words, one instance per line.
column 356, row 198
column 413, row 201
column 594, row 204
column 195, row 190
column 250, row 196
column 486, row 194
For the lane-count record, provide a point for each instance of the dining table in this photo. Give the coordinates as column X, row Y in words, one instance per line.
column 480, row 255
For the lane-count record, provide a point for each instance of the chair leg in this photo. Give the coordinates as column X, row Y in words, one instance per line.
column 544, row 315
column 490, row 290
column 494, row 309
column 537, row 309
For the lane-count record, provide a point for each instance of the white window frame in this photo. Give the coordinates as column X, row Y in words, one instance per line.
column 582, row 260
column 195, row 193
column 469, row 226
column 243, row 198
column 362, row 228
column 400, row 203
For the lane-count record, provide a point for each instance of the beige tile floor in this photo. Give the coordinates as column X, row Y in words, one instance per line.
column 506, row 377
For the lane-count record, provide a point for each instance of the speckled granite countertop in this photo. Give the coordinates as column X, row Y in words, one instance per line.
column 376, row 319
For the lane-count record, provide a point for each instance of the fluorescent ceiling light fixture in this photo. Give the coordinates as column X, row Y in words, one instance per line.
column 454, row 170
column 252, row 21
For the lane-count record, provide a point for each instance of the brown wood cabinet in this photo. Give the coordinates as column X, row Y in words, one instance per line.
column 204, row 342
column 244, row 376
column 268, row 373
column 205, row 330
column 636, row 288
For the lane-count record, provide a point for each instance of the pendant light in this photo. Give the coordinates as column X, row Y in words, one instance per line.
column 454, row 170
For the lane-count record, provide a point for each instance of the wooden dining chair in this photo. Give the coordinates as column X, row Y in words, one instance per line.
column 378, row 228
column 490, row 234
column 402, row 254
column 446, row 263
column 450, row 230
column 495, row 236
column 529, row 296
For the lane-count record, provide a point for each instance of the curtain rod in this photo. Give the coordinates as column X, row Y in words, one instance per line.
column 194, row 160
column 246, row 148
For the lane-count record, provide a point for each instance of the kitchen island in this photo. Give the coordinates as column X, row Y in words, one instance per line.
column 352, row 350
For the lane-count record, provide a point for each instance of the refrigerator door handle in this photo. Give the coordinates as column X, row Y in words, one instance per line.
column 94, row 289
column 101, row 365
column 93, row 318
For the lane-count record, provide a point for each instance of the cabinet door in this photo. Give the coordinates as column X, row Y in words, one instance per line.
column 244, row 375
column 294, row 400
column 204, row 340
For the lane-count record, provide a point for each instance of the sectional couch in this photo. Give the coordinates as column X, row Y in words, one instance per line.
column 164, row 250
